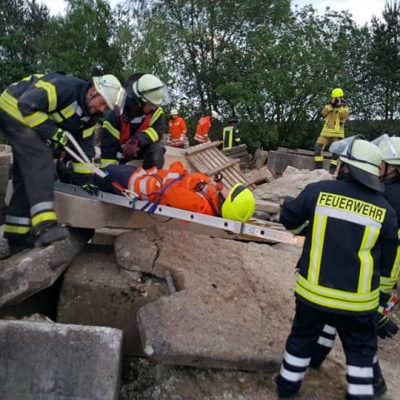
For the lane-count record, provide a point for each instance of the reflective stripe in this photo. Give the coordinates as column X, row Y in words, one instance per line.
column 326, row 342
column 151, row 133
column 375, row 358
column 9, row 104
column 20, row 230
column 44, row 217
column 334, row 162
column 51, row 93
column 88, row 132
column 11, row 219
column 133, row 178
column 156, row 115
column 143, row 185
column 296, row 361
column 329, row 329
column 36, row 119
column 56, row 117
column 44, row 206
column 108, row 127
column 319, row 158
column 201, row 138
column 68, row 111
column 360, row 372
column 366, row 261
column 318, row 236
column 80, row 168
column 104, row 162
column 360, row 389
column 171, row 175
column 291, row 376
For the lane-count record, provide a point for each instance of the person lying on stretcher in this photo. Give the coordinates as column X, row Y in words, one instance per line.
column 179, row 188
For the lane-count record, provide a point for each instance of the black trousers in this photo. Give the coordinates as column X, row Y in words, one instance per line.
column 152, row 155
column 359, row 339
column 31, row 204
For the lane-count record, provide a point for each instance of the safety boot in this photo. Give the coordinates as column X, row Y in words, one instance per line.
column 379, row 386
column 332, row 169
column 51, row 234
column 317, row 164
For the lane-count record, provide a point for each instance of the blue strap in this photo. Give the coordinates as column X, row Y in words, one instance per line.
column 153, row 205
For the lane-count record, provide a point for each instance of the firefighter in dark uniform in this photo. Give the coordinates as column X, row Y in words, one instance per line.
column 34, row 115
column 338, row 281
column 230, row 134
column 390, row 147
column 137, row 133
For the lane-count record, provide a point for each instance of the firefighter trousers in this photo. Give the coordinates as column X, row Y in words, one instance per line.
column 31, row 206
column 359, row 340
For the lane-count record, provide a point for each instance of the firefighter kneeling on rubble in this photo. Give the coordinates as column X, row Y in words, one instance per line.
column 350, row 241
column 179, row 188
column 35, row 113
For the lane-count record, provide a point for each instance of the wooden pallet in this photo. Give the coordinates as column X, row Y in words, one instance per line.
column 207, row 158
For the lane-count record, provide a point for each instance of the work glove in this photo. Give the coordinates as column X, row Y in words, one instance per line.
column 59, row 139
column 386, row 327
column 130, row 148
column 91, row 188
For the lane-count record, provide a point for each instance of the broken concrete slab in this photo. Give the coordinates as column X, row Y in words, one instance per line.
column 29, row 272
column 54, row 361
column 234, row 301
column 95, row 291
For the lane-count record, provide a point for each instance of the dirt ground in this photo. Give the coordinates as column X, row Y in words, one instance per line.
column 143, row 380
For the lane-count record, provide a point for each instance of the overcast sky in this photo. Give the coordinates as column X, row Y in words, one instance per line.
column 362, row 10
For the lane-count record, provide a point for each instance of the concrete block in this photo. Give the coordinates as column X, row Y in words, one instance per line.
column 95, row 291
column 46, row 361
column 29, row 272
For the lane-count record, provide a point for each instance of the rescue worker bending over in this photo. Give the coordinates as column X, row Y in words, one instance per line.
column 177, row 130
column 203, row 127
column 136, row 134
column 34, row 115
column 338, row 281
column 335, row 114
column 230, row 135
column 179, row 188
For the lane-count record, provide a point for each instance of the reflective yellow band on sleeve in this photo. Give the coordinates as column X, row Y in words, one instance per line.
column 151, row 133
column 56, row 117
column 156, row 115
column 104, row 162
column 68, row 111
column 9, row 104
column 51, row 93
column 36, row 119
column 44, row 217
column 80, row 168
column 88, row 132
column 114, row 132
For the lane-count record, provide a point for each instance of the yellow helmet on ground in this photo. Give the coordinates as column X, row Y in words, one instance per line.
column 337, row 92
column 239, row 205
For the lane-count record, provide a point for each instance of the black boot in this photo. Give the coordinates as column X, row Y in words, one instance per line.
column 332, row 169
column 317, row 164
column 50, row 234
column 19, row 245
column 380, row 387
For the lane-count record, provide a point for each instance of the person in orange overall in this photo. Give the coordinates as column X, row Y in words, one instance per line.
column 177, row 129
column 178, row 187
column 204, row 126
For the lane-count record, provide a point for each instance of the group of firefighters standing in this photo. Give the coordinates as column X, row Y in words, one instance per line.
column 350, row 259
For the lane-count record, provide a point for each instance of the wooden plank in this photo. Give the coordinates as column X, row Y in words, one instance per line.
column 201, row 147
column 224, row 167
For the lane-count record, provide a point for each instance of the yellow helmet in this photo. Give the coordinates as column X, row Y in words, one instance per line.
column 337, row 92
column 239, row 205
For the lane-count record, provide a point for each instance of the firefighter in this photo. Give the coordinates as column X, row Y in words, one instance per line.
column 230, row 134
column 177, row 129
column 179, row 188
column 338, row 282
column 335, row 114
column 203, row 127
column 137, row 133
column 34, row 115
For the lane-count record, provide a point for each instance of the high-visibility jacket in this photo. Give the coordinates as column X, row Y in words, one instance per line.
column 335, row 117
column 351, row 241
column 49, row 102
column 148, row 128
column 230, row 137
column 203, row 129
column 175, row 187
column 177, row 129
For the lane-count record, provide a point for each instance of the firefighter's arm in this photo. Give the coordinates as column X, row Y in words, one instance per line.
column 183, row 126
column 343, row 114
column 35, row 106
column 156, row 129
column 326, row 110
column 109, row 140
column 390, row 254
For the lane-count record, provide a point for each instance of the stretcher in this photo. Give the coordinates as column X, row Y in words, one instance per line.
column 262, row 231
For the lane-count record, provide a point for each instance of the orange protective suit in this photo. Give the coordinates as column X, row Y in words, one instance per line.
column 202, row 130
column 177, row 130
column 179, row 188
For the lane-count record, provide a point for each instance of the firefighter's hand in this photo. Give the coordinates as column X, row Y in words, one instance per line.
column 91, row 188
column 131, row 148
column 386, row 327
column 59, row 139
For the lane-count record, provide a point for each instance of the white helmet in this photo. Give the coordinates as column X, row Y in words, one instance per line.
column 390, row 147
column 363, row 159
column 149, row 89
column 110, row 88
column 174, row 111
column 214, row 114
